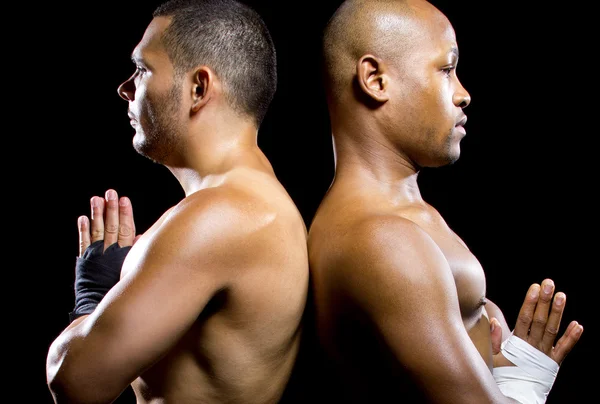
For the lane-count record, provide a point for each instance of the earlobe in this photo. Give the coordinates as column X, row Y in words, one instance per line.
column 372, row 79
column 201, row 87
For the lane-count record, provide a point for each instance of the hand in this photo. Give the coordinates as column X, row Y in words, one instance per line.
column 496, row 335
column 111, row 221
column 103, row 247
column 539, row 321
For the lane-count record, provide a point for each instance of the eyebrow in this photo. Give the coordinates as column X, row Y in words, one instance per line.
column 454, row 51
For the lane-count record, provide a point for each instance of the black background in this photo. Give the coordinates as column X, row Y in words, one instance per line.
column 522, row 195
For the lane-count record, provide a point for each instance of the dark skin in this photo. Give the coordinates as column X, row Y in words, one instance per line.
column 211, row 296
column 400, row 300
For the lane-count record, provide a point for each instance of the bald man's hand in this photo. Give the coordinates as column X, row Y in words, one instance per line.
column 539, row 321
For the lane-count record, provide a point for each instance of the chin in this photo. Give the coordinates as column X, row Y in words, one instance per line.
column 454, row 156
column 453, row 153
column 452, row 161
column 139, row 145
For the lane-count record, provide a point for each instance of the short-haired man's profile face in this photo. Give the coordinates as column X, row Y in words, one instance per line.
column 154, row 95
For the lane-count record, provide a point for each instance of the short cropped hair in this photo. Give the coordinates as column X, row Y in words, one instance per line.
column 232, row 39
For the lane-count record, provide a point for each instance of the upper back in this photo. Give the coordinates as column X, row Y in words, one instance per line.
column 242, row 244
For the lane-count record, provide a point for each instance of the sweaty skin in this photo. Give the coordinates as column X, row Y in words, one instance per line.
column 210, row 301
column 400, row 300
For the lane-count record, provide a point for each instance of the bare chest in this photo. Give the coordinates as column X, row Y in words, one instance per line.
column 467, row 271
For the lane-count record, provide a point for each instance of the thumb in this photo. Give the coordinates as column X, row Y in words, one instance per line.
column 495, row 335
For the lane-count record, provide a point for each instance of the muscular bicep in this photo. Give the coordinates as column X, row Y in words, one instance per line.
column 156, row 302
column 168, row 278
column 409, row 293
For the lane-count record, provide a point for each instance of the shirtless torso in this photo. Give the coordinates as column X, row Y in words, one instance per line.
column 251, row 301
column 375, row 280
column 399, row 300
column 208, row 304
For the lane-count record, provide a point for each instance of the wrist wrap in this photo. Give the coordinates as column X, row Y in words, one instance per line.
column 530, row 381
column 96, row 272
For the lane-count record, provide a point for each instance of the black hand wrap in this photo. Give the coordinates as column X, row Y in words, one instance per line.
column 95, row 274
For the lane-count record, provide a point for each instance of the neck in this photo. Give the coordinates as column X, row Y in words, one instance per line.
column 364, row 157
column 210, row 156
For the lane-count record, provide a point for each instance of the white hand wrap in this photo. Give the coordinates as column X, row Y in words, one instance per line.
column 530, row 381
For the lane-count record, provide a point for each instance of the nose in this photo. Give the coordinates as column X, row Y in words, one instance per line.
column 127, row 89
column 461, row 97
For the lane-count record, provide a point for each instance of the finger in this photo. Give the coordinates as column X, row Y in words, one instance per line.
column 553, row 324
column 566, row 343
column 83, row 225
column 540, row 317
column 526, row 313
column 495, row 335
column 111, row 218
column 97, row 222
column 126, row 223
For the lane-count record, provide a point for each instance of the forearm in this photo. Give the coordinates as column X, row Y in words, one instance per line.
column 82, row 352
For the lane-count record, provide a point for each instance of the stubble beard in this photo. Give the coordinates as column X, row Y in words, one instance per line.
column 160, row 129
column 453, row 148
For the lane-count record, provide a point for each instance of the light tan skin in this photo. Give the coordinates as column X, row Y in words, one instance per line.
column 211, row 296
column 397, row 293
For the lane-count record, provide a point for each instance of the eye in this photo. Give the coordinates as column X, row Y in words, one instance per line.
column 140, row 70
column 448, row 70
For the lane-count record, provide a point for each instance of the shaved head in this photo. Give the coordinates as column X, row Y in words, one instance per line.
column 384, row 28
column 390, row 79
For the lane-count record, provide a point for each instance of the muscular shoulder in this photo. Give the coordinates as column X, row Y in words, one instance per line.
column 386, row 241
column 232, row 210
column 371, row 236
column 367, row 255
column 218, row 227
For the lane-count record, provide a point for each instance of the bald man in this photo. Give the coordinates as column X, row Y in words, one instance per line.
column 400, row 301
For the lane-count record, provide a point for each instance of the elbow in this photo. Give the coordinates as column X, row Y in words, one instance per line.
column 71, row 386
column 56, row 378
column 77, row 374
column 62, row 389
column 66, row 390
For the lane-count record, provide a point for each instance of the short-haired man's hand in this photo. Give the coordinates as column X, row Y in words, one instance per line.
column 103, row 246
column 111, row 221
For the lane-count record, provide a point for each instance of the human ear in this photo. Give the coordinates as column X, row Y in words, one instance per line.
column 202, row 87
column 372, row 78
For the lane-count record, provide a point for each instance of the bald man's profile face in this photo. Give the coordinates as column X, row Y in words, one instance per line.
column 426, row 99
column 404, row 56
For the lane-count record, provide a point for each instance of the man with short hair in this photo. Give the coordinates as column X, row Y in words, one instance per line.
column 208, row 303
